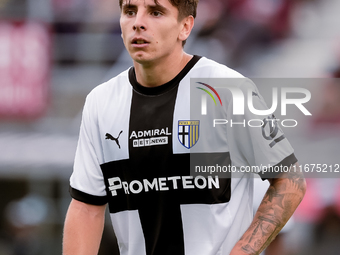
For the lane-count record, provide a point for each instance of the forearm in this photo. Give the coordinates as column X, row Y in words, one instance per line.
column 278, row 205
column 83, row 229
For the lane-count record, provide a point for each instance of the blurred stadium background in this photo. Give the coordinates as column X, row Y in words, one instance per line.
column 53, row 52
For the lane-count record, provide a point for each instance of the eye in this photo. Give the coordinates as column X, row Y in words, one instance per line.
column 156, row 13
column 130, row 12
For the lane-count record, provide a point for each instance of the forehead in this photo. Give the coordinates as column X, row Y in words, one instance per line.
column 146, row 2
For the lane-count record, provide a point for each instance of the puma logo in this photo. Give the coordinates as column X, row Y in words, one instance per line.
column 109, row 136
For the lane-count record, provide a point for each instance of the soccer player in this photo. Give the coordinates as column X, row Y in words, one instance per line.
column 135, row 144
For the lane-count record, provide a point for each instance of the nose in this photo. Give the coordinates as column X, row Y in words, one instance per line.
column 139, row 23
column 137, row 27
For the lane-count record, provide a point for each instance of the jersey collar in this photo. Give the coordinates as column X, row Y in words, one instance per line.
column 165, row 87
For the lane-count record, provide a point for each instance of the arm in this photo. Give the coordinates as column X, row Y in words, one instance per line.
column 278, row 205
column 83, row 228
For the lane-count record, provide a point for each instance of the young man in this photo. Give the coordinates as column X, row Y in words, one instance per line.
column 132, row 154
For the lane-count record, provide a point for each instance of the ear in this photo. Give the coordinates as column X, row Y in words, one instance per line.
column 186, row 26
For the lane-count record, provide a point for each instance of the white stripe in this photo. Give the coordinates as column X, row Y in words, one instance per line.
column 199, row 225
column 129, row 232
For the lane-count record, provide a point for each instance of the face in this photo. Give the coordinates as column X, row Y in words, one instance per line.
column 150, row 31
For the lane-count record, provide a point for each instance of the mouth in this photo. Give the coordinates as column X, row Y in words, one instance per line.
column 139, row 41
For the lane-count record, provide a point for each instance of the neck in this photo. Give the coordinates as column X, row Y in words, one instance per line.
column 161, row 72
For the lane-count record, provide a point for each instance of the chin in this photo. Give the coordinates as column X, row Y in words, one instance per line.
column 141, row 58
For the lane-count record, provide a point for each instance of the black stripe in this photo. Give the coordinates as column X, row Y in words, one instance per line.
column 177, row 166
column 159, row 214
column 87, row 198
column 288, row 162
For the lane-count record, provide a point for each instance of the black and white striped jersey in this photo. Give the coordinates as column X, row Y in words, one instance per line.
column 134, row 153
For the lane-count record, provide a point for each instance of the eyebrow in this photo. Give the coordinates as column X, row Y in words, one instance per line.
column 129, row 6
column 157, row 7
column 150, row 7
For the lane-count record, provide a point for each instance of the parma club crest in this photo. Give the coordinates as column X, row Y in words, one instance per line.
column 188, row 132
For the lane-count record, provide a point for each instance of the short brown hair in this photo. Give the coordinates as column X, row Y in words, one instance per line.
column 185, row 7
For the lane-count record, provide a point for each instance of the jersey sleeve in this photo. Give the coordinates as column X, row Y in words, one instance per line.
column 257, row 141
column 87, row 182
